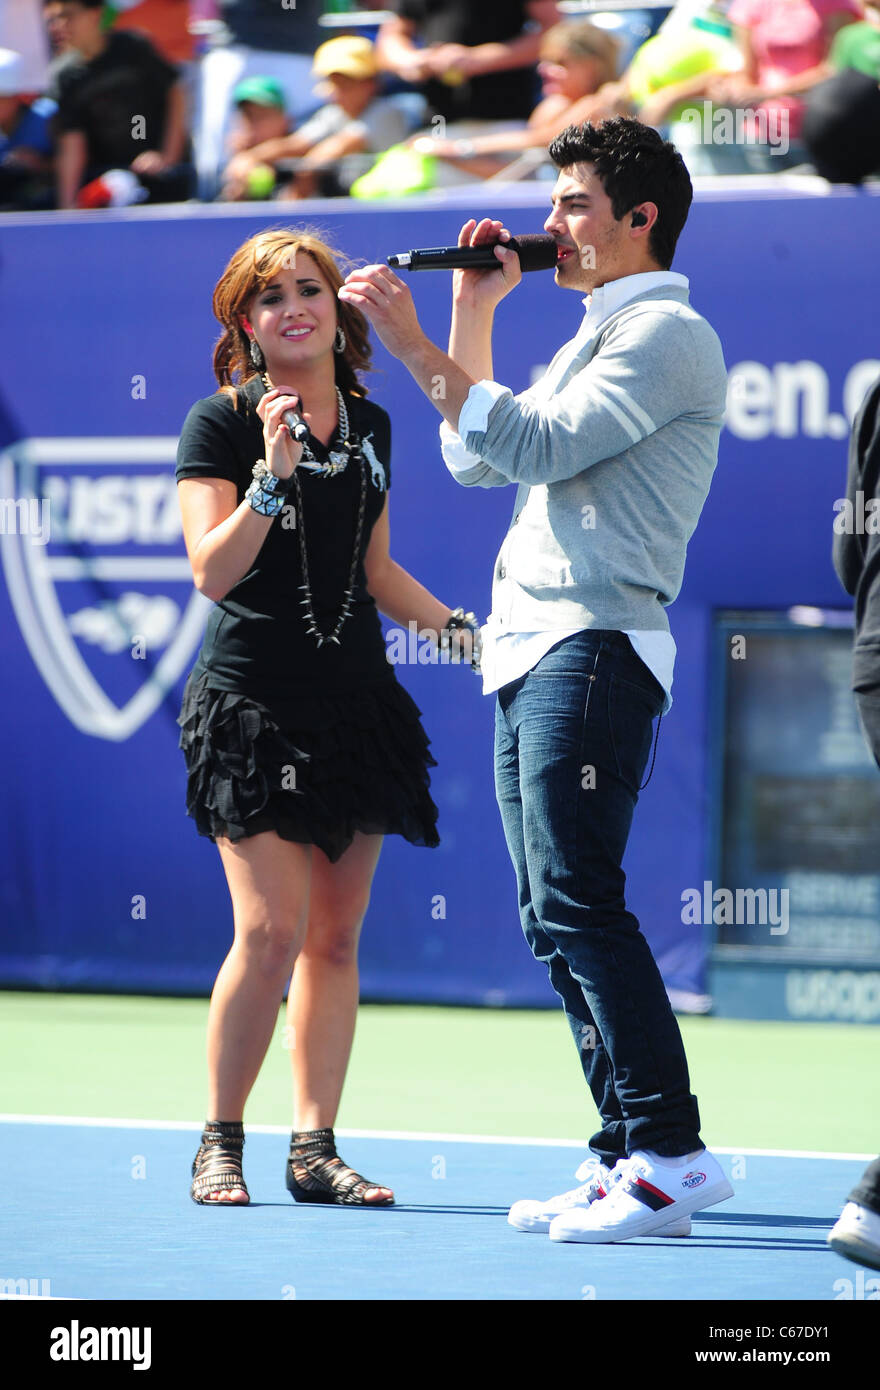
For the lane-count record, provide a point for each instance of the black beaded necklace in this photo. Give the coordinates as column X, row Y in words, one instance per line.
column 337, row 464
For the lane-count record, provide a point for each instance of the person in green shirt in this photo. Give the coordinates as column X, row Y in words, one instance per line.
column 858, row 45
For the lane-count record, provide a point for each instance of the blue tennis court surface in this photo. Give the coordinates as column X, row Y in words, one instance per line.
column 103, row 1212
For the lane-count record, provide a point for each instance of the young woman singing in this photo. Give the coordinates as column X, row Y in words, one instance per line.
column 302, row 748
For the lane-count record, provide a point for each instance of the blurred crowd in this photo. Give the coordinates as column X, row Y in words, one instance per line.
column 160, row 101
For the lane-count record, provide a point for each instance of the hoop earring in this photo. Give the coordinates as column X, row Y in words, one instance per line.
column 339, row 340
column 257, row 355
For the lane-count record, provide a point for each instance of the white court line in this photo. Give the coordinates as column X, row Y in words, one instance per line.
column 424, row 1135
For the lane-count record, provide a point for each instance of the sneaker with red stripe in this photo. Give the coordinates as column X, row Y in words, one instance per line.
column 531, row 1215
column 597, row 1181
column 646, row 1199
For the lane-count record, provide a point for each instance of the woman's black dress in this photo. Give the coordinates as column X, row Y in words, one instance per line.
column 279, row 734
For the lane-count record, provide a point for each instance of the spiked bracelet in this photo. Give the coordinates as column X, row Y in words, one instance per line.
column 267, row 493
column 459, row 621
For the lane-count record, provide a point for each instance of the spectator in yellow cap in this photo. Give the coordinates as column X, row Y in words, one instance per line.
column 343, row 137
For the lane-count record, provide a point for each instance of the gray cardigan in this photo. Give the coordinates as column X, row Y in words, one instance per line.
column 613, row 468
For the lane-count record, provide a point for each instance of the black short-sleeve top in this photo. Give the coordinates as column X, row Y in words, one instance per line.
column 256, row 639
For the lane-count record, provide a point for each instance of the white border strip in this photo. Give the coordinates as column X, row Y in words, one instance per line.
column 93, row 1122
column 42, row 450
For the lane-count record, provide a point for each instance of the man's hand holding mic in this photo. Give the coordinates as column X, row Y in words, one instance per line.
column 485, row 289
column 386, row 302
column 283, row 452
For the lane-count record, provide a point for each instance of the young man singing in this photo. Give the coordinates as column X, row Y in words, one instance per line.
column 622, row 430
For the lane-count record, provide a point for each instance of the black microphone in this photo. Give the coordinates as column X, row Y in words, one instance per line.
column 296, row 425
column 536, row 251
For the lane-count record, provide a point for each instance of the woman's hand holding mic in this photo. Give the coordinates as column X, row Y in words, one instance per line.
column 283, row 453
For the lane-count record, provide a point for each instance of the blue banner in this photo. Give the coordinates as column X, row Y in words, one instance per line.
column 104, row 883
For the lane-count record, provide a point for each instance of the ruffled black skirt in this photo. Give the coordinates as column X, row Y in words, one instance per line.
column 315, row 770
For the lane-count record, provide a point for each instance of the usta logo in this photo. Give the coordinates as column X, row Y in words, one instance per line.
column 693, row 1179
column 112, row 581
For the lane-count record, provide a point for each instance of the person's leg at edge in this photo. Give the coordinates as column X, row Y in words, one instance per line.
column 856, row 1233
column 268, row 882
column 867, row 1191
column 608, row 1144
column 323, row 1000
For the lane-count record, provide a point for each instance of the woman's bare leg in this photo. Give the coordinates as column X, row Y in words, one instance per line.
column 323, row 1000
column 269, row 885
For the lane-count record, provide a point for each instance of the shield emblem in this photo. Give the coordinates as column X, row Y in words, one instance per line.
column 92, row 550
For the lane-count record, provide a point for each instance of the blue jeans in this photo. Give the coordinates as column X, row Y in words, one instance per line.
column 572, row 738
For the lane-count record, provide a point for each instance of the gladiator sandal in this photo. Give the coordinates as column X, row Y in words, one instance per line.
column 217, row 1165
column 316, row 1173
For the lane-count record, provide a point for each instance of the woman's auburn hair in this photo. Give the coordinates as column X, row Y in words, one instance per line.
column 253, row 266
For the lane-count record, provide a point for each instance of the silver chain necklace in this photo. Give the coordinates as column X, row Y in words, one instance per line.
column 337, row 464
column 338, row 458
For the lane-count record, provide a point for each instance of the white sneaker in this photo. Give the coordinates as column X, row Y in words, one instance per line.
column 530, row 1215
column 597, row 1181
column 646, row 1199
column 856, row 1235
column 587, row 1169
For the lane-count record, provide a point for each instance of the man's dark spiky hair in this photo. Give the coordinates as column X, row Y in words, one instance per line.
column 634, row 165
